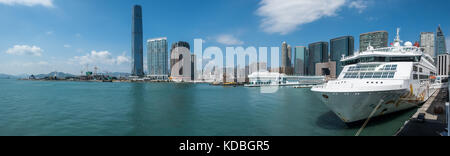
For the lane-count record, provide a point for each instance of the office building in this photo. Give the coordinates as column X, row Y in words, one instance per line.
column 176, row 56
column 378, row 39
column 441, row 47
column 443, row 65
column 318, row 53
column 300, row 53
column 341, row 46
column 427, row 42
column 137, row 50
column 286, row 59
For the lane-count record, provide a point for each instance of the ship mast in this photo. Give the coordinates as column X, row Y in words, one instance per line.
column 397, row 40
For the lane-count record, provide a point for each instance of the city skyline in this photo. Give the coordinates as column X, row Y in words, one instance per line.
column 56, row 36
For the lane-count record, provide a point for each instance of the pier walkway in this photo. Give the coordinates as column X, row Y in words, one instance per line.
column 430, row 119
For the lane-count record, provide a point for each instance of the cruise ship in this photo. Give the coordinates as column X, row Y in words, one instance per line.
column 380, row 81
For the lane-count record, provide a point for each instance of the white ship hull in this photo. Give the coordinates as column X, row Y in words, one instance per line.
column 353, row 107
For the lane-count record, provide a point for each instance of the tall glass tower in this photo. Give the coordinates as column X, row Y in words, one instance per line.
column 137, row 48
column 441, row 48
column 341, row 46
column 157, row 58
column 318, row 53
column 299, row 61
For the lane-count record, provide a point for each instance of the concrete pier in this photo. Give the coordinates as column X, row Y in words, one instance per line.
column 430, row 119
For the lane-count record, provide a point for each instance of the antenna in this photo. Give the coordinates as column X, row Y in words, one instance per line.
column 397, row 38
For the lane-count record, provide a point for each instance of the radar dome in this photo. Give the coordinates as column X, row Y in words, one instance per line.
column 408, row 44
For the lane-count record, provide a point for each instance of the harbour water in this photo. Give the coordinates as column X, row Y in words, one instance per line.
column 33, row 108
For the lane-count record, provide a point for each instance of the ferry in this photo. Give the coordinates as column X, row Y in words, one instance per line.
column 380, row 81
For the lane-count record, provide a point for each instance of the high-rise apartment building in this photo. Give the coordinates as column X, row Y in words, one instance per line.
column 157, row 58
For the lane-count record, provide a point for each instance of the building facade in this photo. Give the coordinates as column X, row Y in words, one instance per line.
column 427, row 42
column 441, row 47
column 286, row 59
column 318, row 53
column 300, row 53
column 157, row 58
column 341, row 46
column 137, row 50
column 327, row 69
column 176, row 56
column 378, row 39
column 443, row 65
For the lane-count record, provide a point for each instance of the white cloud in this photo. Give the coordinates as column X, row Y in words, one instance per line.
column 229, row 40
column 123, row 59
column 67, row 46
column 43, row 63
column 25, row 50
column 78, row 35
column 101, row 57
column 30, row 3
column 360, row 5
column 285, row 16
column 48, row 32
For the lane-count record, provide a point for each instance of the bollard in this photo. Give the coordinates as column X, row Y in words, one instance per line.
column 448, row 117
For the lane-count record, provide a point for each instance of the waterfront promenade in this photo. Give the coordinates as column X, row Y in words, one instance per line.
column 430, row 119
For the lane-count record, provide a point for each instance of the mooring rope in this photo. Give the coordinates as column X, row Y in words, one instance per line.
column 371, row 115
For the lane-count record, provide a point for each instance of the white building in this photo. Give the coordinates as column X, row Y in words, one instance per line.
column 443, row 68
column 258, row 79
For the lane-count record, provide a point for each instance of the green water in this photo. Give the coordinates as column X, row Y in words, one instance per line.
column 80, row 108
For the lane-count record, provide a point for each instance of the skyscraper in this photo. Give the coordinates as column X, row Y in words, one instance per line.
column 137, row 50
column 378, row 39
column 341, row 46
column 176, row 56
column 318, row 53
column 157, row 58
column 441, row 48
column 427, row 42
column 284, row 57
column 300, row 53
column 193, row 66
column 289, row 62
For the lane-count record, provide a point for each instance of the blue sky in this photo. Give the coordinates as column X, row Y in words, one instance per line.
column 40, row 36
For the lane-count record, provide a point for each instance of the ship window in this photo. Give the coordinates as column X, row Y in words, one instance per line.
column 420, row 70
column 387, row 67
column 391, row 75
column 368, row 75
column 415, row 68
column 415, row 76
column 377, row 75
column 361, row 75
column 385, row 75
column 347, row 75
column 394, row 67
column 424, row 77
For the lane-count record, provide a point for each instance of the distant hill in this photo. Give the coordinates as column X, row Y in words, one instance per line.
column 6, row 76
column 57, row 74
